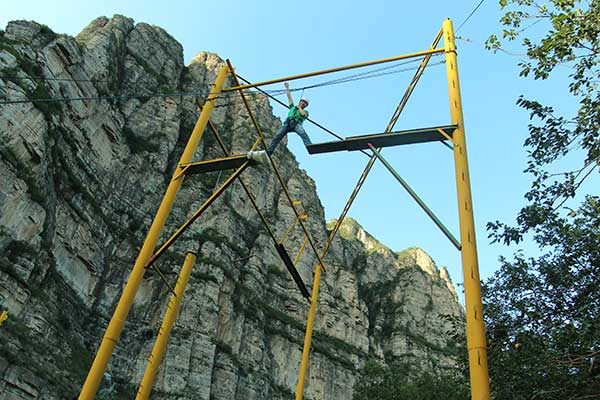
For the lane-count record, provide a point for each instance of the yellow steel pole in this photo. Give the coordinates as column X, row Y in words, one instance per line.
column 476, row 343
column 113, row 331
column 158, row 351
column 308, row 335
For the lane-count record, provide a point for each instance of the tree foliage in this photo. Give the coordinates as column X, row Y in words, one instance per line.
column 400, row 382
column 542, row 313
column 569, row 37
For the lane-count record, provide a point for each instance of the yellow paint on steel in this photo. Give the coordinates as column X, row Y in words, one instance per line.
column 361, row 180
column 476, row 343
column 303, row 217
column 441, row 131
column 113, row 331
column 297, row 258
column 317, row 281
column 163, row 278
column 160, row 346
column 308, row 335
column 285, row 235
column 413, row 83
column 182, row 171
column 337, row 69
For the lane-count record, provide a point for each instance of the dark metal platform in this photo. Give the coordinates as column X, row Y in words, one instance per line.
column 218, row 164
column 353, row 143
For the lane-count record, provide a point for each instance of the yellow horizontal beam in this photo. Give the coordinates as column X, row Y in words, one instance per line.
column 331, row 70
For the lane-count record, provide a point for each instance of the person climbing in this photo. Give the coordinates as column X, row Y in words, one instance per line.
column 293, row 123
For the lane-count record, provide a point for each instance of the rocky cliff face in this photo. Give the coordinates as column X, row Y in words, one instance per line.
column 81, row 181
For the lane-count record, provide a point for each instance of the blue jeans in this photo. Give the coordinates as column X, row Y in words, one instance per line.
column 288, row 126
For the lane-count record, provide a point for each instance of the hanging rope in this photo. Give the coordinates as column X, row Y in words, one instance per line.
column 125, row 97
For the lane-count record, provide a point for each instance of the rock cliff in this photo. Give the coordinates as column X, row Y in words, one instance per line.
column 81, row 181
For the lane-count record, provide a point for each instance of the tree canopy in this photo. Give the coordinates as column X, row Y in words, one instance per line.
column 402, row 382
column 568, row 38
column 543, row 313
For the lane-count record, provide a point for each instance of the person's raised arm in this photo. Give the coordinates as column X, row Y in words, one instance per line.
column 289, row 94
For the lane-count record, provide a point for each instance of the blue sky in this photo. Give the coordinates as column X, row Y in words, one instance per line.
column 270, row 39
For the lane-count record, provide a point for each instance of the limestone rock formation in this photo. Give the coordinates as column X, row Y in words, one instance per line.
column 81, row 181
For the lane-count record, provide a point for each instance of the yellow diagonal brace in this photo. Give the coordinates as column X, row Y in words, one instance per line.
column 302, row 216
column 169, row 242
column 441, row 131
column 163, row 278
column 297, row 258
column 181, row 171
column 285, row 235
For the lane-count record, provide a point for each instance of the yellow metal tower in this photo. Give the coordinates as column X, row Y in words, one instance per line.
column 453, row 134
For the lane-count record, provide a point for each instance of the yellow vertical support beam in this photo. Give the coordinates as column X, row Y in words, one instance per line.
column 160, row 346
column 113, row 331
column 476, row 343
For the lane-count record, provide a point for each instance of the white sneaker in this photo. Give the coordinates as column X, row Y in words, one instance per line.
column 262, row 157
column 258, row 156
